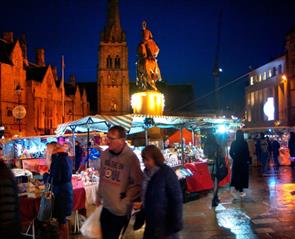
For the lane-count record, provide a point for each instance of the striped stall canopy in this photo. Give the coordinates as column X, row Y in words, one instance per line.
column 100, row 123
column 134, row 123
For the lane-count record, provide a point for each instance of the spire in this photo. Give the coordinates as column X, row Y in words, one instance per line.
column 113, row 31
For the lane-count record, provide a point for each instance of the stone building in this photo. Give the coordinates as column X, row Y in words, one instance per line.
column 112, row 73
column 37, row 88
column 270, row 96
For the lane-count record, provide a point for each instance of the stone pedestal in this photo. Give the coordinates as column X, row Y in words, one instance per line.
column 148, row 103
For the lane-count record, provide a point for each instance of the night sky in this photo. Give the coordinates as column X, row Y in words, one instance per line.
column 253, row 32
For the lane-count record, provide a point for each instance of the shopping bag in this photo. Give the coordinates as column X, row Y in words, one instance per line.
column 139, row 219
column 46, row 206
column 91, row 227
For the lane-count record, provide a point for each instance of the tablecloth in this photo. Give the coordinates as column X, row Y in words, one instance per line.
column 201, row 179
column 29, row 207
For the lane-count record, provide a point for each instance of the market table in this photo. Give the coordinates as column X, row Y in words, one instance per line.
column 201, row 179
column 29, row 207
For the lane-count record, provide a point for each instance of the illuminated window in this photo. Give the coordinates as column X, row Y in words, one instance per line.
column 269, row 73
column 264, row 75
column 252, row 99
column 260, row 77
column 251, row 80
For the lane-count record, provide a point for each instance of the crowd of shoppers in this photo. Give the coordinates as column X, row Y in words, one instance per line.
column 122, row 184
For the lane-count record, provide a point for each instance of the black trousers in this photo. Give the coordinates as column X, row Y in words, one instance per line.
column 112, row 225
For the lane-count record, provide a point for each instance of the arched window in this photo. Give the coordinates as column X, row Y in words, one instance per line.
column 117, row 62
column 109, row 62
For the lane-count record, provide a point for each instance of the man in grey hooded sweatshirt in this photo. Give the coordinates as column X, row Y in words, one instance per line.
column 119, row 183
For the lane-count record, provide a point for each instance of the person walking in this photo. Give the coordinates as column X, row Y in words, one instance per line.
column 239, row 152
column 258, row 149
column 161, row 197
column 275, row 153
column 291, row 146
column 9, row 205
column 119, row 184
column 264, row 155
column 213, row 151
column 60, row 178
column 251, row 146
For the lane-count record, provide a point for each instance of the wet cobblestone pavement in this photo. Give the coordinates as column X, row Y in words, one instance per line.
column 267, row 211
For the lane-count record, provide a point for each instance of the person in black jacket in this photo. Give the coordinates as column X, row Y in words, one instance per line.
column 9, row 207
column 291, row 146
column 162, row 197
column 61, row 179
column 78, row 155
column 213, row 151
column 239, row 152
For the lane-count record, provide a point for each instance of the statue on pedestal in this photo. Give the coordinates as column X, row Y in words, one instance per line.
column 147, row 69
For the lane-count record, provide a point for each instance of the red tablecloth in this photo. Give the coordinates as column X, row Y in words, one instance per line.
column 201, row 179
column 29, row 207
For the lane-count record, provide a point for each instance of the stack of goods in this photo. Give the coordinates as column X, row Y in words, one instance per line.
column 88, row 176
column 171, row 158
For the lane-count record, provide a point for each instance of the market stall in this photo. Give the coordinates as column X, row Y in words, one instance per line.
column 180, row 154
column 31, row 188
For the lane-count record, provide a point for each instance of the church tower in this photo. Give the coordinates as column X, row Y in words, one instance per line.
column 112, row 70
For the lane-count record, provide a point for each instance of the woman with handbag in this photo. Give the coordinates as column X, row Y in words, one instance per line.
column 162, row 197
column 239, row 152
column 214, row 154
column 61, row 178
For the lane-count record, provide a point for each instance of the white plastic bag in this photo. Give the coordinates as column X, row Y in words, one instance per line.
column 91, row 227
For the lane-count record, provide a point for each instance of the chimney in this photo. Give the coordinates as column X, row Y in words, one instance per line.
column 8, row 37
column 24, row 47
column 54, row 72
column 72, row 80
column 40, row 56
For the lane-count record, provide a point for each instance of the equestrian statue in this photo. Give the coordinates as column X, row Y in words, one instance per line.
column 147, row 69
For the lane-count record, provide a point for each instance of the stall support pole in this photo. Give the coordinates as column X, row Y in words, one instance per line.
column 74, row 149
column 88, row 138
column 182, row 146
column 193, row 137
column 74, row 145
column 146, row 131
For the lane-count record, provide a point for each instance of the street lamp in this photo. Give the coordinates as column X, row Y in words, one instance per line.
column 19, row 111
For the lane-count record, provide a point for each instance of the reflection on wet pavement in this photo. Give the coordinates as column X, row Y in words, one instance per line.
column 236, row 221
column 268, row 211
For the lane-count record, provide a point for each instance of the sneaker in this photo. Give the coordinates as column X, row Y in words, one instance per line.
column 242, row 194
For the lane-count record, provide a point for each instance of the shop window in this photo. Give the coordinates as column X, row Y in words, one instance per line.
column 260, row 77
column 264, row 75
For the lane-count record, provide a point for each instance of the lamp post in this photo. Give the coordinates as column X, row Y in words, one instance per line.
column 19, row 112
